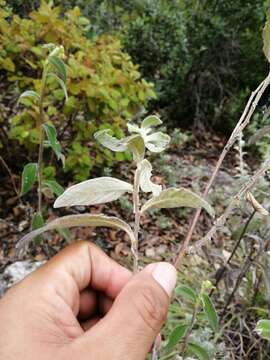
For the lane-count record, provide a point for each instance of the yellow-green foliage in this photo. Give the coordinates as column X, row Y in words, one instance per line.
column 104, row 86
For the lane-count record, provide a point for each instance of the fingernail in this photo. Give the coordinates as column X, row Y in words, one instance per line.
column 165, row 274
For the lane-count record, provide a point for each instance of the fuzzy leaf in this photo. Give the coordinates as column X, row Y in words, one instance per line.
column 94, row 191
column 61, row 83
column 263, row 328
column 53, row 142
column 59, row 65
column 210, row 312
column 53, row 185
column 29, row 94
column 29, row 176
column 186, row 292
column 198, row 351
column 259, row 134
column 175, row 336
column 145, row 179
column 150, row 121
column 135, row 144
column 133, row 128
column 173, row 198
column 157, row 142
column 110, row 142
column 266, row 38
column 70, row 221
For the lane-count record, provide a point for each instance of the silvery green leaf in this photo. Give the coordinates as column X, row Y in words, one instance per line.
column 110, row 142
column 94, row 191
column 61, row 83
column 145, row 179
column 29, row 94
column 173, row 198
column 78, row 220
column 135, row 144
column 266, row 37
column 150, row 121
column 59, row 66
column 157, row 142
column 133, row 128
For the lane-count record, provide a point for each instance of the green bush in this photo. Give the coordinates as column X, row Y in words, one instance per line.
column 104, row 86
column 156, row 40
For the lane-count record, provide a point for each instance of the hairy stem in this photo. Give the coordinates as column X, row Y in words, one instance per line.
column 242, row 123
column 41, row 139
column 234, row 202
column 137, row 214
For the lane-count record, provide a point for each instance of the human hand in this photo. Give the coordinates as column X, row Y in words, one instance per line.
column 83, row 305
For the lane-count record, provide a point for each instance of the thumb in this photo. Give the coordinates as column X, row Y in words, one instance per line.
column 137, row 315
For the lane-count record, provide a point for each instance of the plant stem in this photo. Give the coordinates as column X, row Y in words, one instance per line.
column 137, row 213
column 240, row 277
column 190, row 328
column 242, row 123
column 234, row 202
column 221, row 273
column 41, row 139
column 5, row 165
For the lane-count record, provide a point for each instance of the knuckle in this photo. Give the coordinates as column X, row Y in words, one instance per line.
column 151, row 307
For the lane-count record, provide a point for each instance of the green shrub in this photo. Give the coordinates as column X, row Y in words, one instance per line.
column 105, row 88
column 156, row 40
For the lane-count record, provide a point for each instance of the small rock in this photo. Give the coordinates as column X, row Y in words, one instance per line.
column 16, row 272
column 161, row 249
column 150, row 252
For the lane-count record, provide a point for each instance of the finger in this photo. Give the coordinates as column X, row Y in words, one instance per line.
column 88, row 324
column 77, row 267
column 104, row 304
column 88, row 304
column 136, row 316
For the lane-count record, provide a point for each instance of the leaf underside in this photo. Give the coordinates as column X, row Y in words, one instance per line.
column 173, row 198
column 70, row 221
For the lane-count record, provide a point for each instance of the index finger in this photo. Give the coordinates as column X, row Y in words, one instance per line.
column 83, row 265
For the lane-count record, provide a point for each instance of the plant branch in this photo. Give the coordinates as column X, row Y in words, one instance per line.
column 41, row 139
column 242, row 123
column 249, row 260
column 234, row 202
column 137, row 213
column 190, row 328
column 10, row 175
column 222, row 271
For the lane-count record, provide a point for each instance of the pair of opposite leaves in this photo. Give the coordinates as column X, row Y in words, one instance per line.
column 106, row 189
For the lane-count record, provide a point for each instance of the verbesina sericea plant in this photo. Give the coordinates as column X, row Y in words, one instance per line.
column 106, row 189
